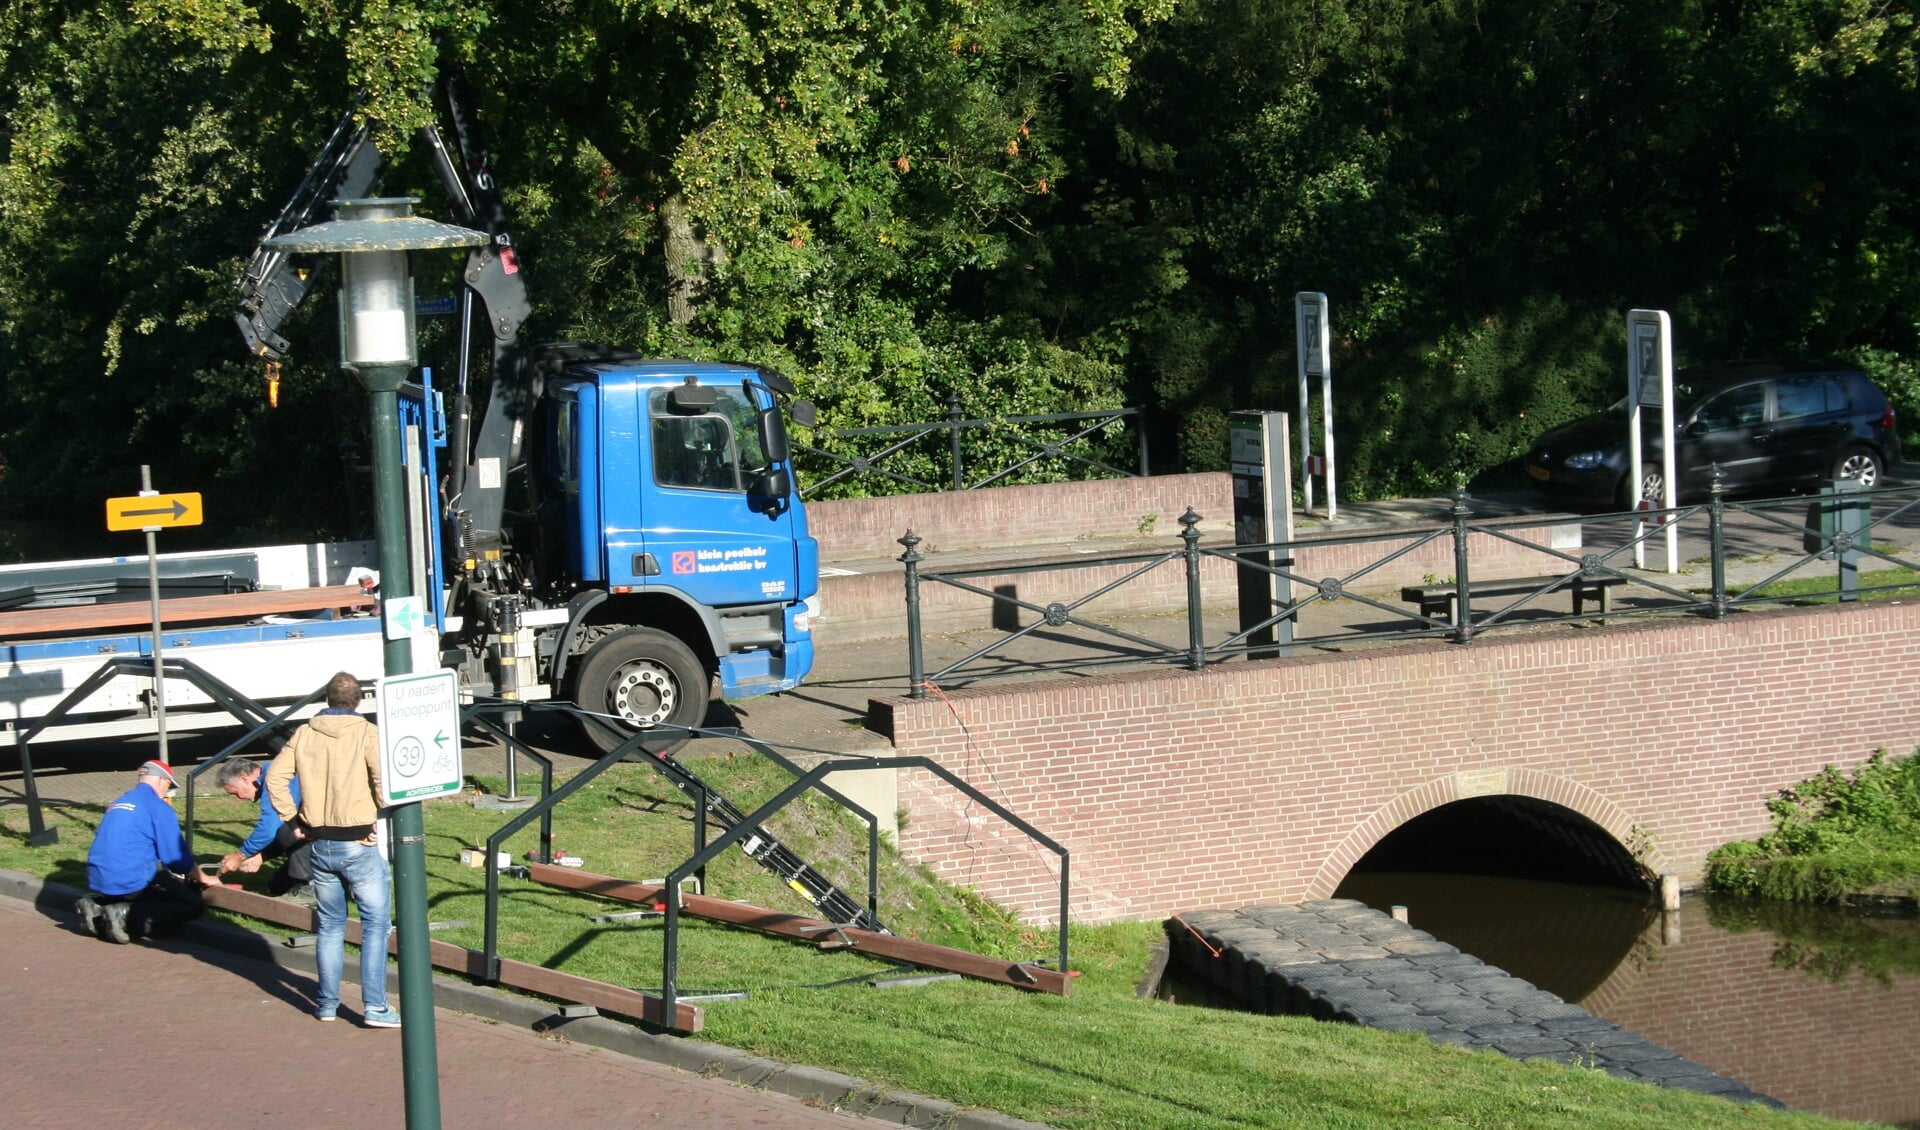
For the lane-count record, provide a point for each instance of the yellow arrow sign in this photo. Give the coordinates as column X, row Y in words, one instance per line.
column 153, row 511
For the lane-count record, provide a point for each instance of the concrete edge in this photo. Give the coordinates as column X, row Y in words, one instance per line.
column 813, row 1085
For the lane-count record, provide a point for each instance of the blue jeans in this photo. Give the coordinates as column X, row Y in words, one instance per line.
column 339, row 868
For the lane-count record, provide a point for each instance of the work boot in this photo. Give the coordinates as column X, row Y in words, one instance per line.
column 89, row 912
column 302, row 894
column 113, row 919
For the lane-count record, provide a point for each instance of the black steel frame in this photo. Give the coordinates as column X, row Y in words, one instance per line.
column 236, row 705
column 805, row 780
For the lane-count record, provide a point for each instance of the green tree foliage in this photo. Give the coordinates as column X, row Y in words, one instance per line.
column 846, row 162
column 1483, row 189
column 1034, row 205
column 125, row 203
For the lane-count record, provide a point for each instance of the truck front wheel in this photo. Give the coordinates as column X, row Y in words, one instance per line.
column 638, row 678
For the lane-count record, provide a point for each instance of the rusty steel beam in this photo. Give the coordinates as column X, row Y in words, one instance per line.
column 1019, row 974
column 532, row 978
column 78, row 619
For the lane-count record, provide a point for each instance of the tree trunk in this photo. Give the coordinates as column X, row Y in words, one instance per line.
column 690, row 256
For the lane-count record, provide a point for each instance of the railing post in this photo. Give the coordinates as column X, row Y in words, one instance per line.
column 1462, row 595
column 1717, row 537
column 953, row 433
column 702, row 804
column 1196, row 623
column 916, row 661
column 1140, row 431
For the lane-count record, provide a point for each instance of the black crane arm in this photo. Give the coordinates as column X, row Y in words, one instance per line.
column 350, row 166
column 274, row 282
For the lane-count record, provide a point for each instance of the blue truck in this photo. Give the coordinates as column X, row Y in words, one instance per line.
column 660, row 540
column 667, row 545
column 656, row 543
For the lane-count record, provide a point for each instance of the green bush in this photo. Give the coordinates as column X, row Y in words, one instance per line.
column 1471, row 401
column 1735, row 868
column 1835, row 834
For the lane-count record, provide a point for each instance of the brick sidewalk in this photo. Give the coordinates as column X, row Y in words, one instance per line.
column 177, row 1035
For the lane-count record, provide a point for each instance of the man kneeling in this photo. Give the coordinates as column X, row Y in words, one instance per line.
column 142, row 879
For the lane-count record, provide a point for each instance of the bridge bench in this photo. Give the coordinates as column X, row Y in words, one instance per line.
column 1441, row 601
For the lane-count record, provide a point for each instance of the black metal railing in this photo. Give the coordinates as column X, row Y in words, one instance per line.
column 1752, row 549
column 1070, row 445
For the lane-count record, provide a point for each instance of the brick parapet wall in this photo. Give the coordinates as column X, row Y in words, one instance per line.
column 1264, row 782
column 864, row 528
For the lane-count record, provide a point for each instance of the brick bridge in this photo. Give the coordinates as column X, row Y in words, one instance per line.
column 1267, row 781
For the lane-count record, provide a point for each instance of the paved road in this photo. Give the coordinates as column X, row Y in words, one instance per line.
column 176, row 1035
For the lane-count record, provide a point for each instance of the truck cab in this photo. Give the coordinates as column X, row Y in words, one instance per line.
column 670, row 528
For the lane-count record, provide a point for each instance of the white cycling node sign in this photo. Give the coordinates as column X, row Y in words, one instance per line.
column 419, row 718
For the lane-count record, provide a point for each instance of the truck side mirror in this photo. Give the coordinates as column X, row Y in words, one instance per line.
column 776, row 482
column 804, row 413
column 773, row 437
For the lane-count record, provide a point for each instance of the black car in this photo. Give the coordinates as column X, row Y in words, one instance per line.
column 1771, row 426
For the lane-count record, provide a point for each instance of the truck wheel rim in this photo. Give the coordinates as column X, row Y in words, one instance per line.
column 642, row 693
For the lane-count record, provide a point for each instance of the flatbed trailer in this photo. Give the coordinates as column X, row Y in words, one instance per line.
column 299, row 624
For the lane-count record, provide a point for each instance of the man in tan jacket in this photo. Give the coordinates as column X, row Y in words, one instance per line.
column 336, row 756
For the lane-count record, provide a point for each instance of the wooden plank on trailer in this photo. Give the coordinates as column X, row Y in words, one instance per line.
column 241, row 606
column 1019, row 974
column 569, row 987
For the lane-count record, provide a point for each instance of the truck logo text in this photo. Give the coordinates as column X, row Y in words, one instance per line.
column 720, row 560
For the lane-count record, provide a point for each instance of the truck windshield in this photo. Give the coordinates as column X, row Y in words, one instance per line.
column 709, row 451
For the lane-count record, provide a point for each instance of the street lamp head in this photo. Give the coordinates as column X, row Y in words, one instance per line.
column 372, row 238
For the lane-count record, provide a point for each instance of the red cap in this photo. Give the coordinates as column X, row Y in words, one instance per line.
column 158, row 769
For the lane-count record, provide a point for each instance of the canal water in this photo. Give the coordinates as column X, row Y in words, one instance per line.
column 1815, row 1006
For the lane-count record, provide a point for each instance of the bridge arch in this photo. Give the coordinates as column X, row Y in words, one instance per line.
column 1613, row 820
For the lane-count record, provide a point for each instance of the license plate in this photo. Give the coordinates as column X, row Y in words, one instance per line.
column 1540, row 473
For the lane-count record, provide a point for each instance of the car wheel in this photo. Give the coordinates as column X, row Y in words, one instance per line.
column 1652, row 485
column 1858, row 463
column 639, row 678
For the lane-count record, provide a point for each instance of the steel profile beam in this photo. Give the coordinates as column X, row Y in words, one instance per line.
column 241, row 606
column 827, row 935
column 568, row 987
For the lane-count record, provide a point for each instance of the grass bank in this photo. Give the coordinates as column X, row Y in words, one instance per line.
column 1890, row 583
column 1100, row 1058
column 1836, row 836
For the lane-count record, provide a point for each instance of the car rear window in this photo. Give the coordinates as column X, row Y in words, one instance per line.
column 1809, row 396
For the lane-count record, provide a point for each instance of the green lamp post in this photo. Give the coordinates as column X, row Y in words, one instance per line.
column 372, row 238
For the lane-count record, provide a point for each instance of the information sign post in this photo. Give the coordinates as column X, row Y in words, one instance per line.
column 152, row 511
column 419, row 736
column 1312, row 319
column 1262, row 514
column 1650, row 385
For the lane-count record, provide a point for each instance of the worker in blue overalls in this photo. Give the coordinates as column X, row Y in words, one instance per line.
column 271, row 837
column 142, row 880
